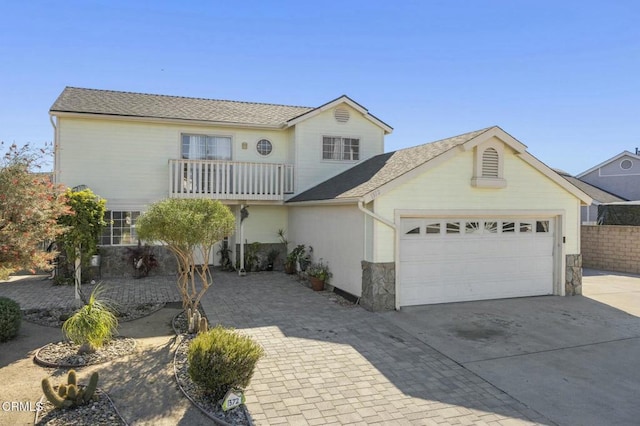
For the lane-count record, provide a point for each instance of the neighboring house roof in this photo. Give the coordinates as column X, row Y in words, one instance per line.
column 74, row 100
column 141, row 105
column 599, row 195
column 371, row 177
column 610, row 160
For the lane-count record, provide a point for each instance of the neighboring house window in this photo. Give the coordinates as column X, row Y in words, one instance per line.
column 626, row 164
column 201, row 147
column 264, row 147
column 120, row 229
column 338, row 148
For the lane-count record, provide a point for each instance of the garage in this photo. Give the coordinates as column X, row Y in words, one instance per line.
column 460, row 259
column 471, row 217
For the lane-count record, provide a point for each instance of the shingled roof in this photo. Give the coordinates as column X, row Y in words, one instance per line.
column 598, row 194
column 141, row 105
column 381, row 169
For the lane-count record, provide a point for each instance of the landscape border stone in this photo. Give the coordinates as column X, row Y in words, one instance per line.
column 38, row 360
column 99, row 391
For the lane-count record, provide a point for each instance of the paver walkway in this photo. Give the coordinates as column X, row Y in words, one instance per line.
column 325, row 363
column 331, row 364
column 37, row 292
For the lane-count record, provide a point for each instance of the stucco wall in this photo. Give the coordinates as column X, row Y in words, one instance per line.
column 337, row 235
column 611, row 247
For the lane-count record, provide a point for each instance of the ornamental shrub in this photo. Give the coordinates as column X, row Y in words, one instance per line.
column 93, row 325
column 10, row 318
column 222, row 359
column 189, row 228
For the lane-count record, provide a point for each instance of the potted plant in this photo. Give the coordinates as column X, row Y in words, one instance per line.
column 318, row 274
column 293, row 258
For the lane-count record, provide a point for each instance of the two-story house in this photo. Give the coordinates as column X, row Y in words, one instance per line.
column 471, row 217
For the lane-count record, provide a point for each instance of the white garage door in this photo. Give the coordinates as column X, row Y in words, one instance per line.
column 454, row 260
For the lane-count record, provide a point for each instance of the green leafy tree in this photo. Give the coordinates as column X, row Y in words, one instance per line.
column 188, row 227
column 83, row 225
column 30, row 205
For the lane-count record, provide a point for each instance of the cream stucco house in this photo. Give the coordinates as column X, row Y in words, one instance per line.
column 471, row 217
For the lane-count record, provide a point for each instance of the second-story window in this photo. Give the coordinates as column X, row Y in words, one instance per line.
column 338, row 148
column 202, row 147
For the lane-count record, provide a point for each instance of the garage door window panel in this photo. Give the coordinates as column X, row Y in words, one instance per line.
column 508, row 227
column 490, row 227
column 433, row 228
column 526, row 227
column 472, row 227
column 412, row 227
column 453, row 228
column 542, row 226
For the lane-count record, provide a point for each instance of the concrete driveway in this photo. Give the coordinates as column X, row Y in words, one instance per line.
column 572, row 359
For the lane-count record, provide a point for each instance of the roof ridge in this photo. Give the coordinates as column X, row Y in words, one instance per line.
column 186, row 97
column 479, row 132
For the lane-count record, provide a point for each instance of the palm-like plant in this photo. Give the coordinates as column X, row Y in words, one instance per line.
column 92, row 325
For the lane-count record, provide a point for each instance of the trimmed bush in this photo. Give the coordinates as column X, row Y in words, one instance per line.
column 10, row 318
column 222, row 359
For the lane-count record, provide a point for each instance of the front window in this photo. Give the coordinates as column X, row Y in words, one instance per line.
column 338, row 148
column 201, row 147
column 120, row 229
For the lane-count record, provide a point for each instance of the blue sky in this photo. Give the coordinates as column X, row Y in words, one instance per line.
column 563, row 77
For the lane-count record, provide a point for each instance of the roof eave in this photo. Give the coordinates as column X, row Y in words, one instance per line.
column 342, row 99
column 55, row 113
column 330, row 201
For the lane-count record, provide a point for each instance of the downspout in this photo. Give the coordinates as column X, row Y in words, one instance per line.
column 55, row 149
column 390, row 225
column 376, row 216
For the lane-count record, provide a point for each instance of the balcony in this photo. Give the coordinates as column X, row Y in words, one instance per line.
column 229, row 180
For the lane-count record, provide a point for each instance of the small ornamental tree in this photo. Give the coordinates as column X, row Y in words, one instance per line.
column 30, row 205
column 188, row 227
column 83, row 224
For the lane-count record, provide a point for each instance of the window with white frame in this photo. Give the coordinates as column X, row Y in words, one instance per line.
column 339, row 148
column 203, row 147
column 120, row 228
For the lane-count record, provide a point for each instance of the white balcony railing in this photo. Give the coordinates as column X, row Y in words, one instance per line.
column 230, row 180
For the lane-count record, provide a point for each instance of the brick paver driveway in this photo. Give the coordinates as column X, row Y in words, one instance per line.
column 331, row 364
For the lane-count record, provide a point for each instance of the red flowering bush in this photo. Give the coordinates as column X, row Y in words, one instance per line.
column 30, row 205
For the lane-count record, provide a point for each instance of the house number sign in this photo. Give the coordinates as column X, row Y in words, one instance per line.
column 232, row 399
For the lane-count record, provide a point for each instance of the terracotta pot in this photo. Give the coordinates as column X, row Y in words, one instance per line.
column 316, row 284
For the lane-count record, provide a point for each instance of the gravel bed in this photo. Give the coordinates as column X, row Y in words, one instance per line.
column 54, row 317
column 100, row 411
column 336, row 298
column 206, row 404
column 180, row 323
column 65, row 354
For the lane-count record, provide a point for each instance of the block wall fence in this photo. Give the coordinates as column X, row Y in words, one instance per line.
column 611, row 248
